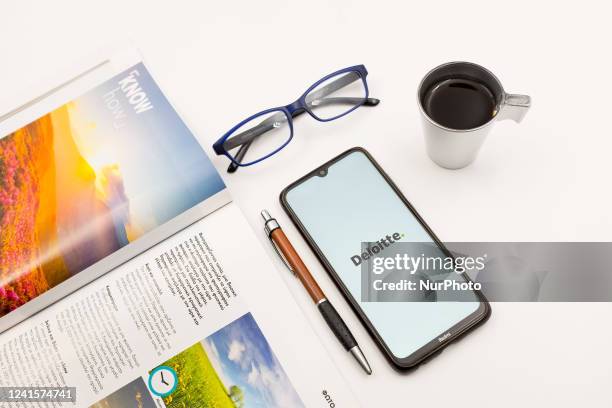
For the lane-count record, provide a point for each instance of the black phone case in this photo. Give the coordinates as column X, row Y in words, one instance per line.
column 437, row 344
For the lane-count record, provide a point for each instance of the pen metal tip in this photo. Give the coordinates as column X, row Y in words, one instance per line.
column 266, row 215
column 363, row 362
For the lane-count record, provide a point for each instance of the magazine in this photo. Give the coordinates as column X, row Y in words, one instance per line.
column 127, row 274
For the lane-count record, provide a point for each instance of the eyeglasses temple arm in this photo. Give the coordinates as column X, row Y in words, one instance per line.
column 239, row 156
column 343, row 100
column 333, row 86
column 247, row 140
column 248, row 135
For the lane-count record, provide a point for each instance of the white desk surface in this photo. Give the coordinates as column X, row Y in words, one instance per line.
column 545, row 179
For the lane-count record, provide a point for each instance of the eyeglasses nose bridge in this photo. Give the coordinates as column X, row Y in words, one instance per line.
column 295, row 106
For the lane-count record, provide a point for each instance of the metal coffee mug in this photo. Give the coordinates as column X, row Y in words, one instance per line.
column 456, row 148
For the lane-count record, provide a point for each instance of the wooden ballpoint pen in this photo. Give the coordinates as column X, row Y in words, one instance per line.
column 295, row 264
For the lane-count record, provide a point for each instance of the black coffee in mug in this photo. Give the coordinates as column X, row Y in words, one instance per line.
column 459, row 103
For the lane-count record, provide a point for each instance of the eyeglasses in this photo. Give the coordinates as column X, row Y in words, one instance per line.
column 267, row 132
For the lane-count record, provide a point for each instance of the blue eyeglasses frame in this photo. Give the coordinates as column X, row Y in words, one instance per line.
column 294, row 109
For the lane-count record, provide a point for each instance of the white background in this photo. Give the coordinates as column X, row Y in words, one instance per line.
column 545, row 179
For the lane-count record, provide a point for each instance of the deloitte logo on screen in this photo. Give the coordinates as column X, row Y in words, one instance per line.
column 376, row 248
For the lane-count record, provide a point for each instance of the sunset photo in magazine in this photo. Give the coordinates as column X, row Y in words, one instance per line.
column 91, row 177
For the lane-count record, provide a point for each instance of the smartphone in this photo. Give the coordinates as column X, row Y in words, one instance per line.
column 348, row 201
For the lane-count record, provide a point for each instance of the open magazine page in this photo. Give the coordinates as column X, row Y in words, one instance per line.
column 200, row 320
column 94, row 173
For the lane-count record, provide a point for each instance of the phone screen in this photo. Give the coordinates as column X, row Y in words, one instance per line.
column 348, row 203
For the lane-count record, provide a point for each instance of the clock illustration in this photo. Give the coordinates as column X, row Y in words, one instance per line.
column 163, row 381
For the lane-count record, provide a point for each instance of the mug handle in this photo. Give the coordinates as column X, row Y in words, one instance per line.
column 514, row 107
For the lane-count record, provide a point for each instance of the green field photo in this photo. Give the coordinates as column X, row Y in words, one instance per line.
column 232, row 368
column 198, row 383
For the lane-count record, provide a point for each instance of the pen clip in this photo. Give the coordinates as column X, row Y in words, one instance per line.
column 282, row 257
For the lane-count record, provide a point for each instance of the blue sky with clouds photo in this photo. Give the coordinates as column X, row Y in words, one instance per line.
column 242, row 356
